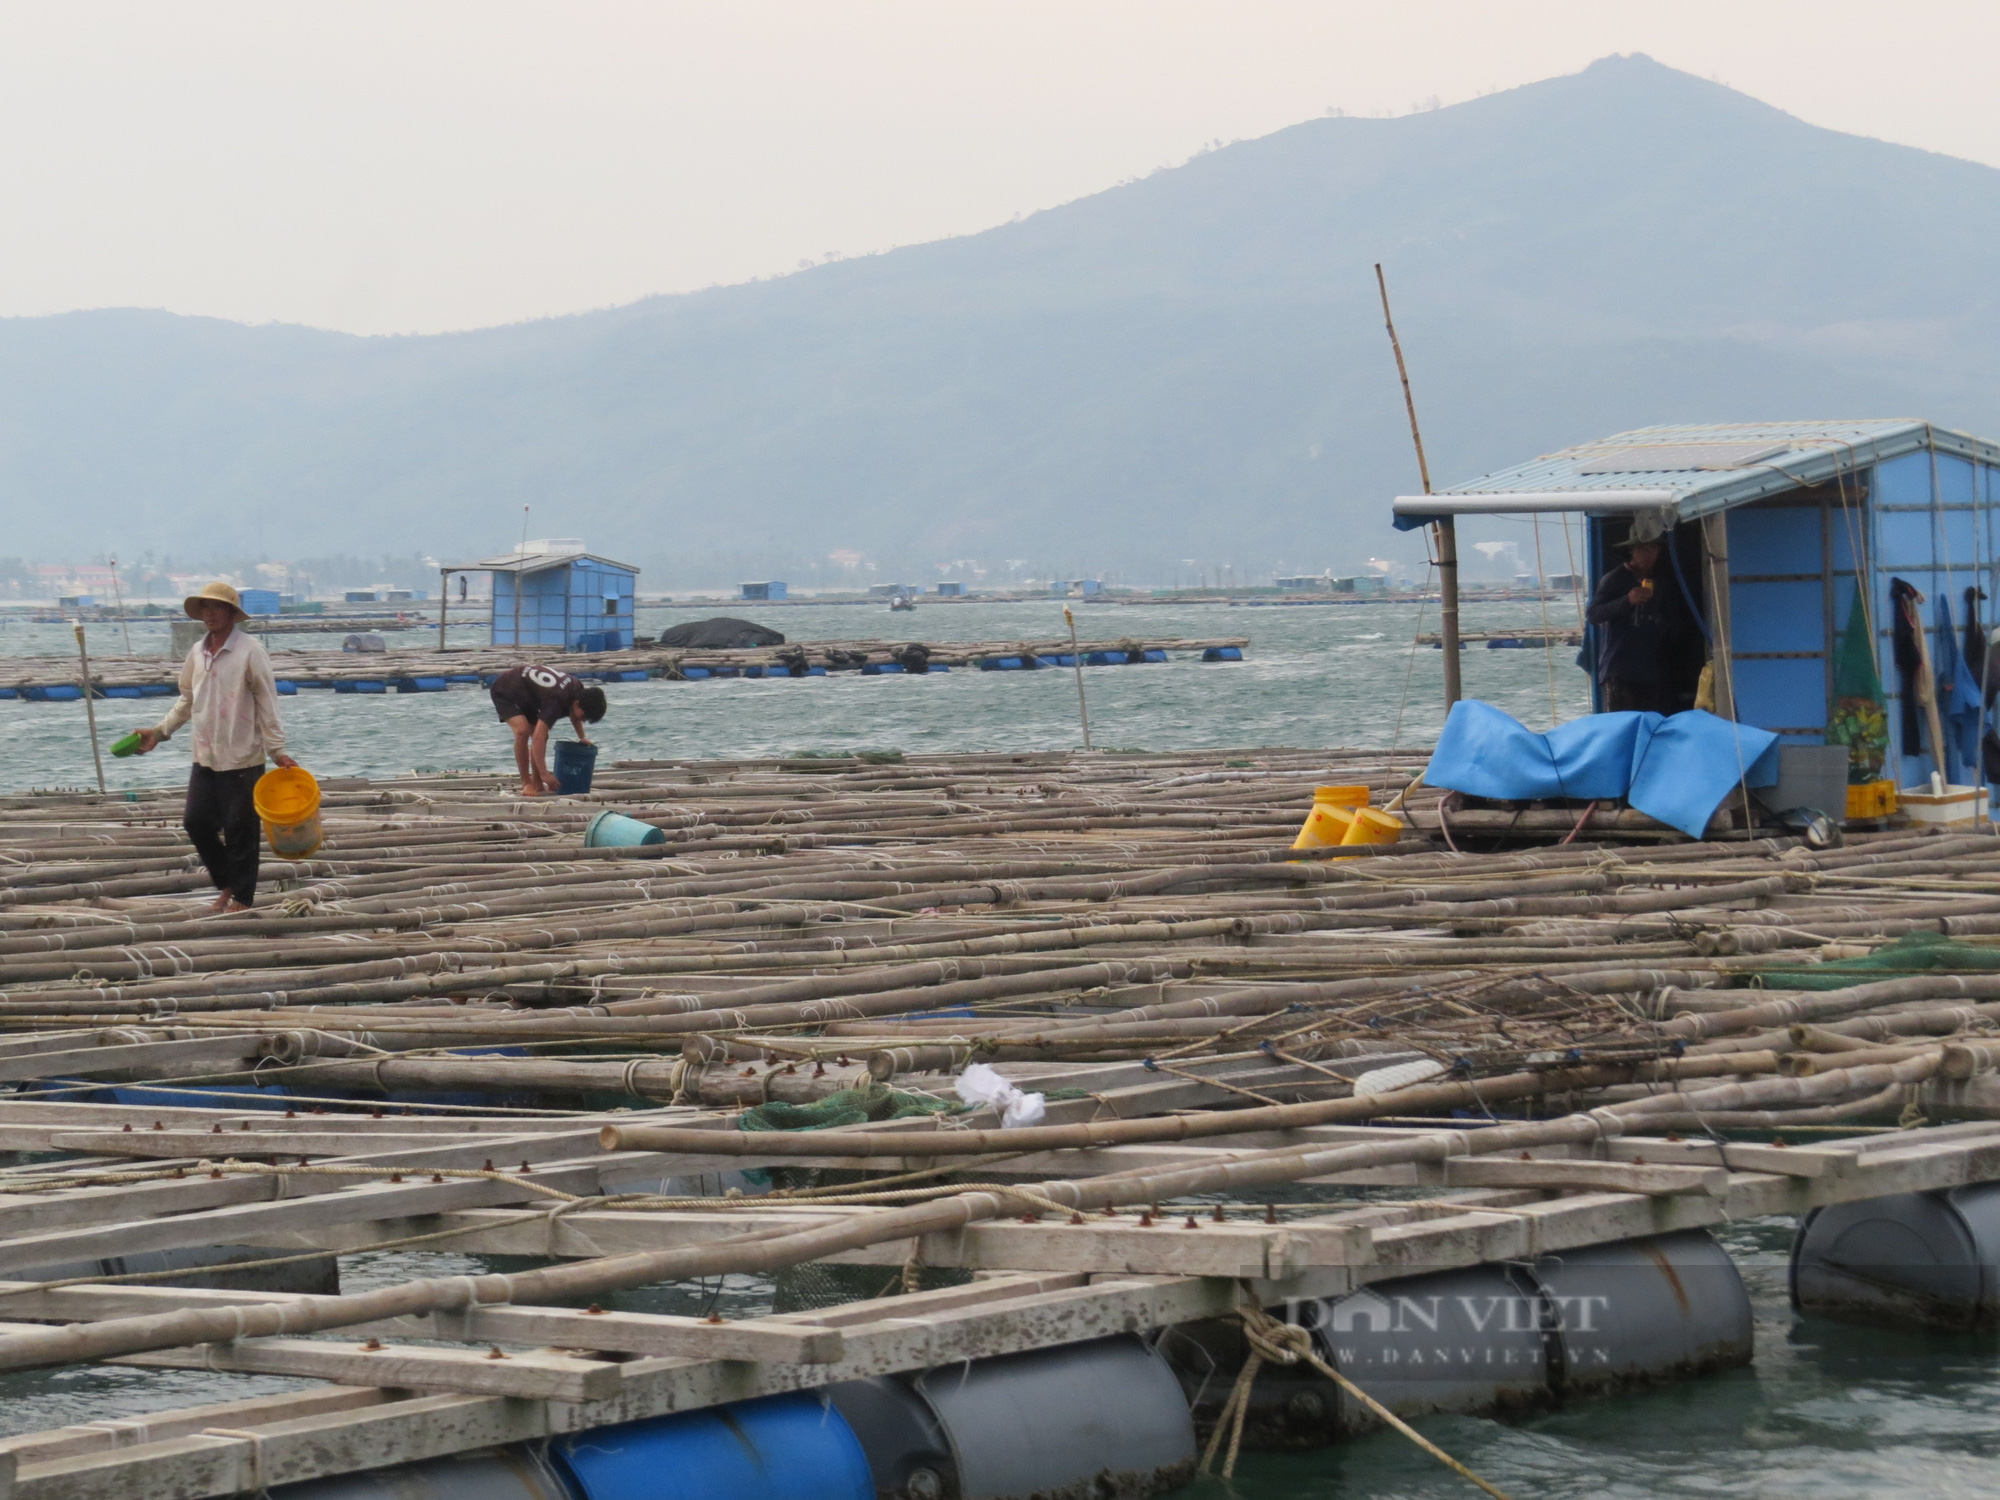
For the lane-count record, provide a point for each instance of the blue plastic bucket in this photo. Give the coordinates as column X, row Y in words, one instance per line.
column 791, row 1447
column 574, row 761
column 610, row 830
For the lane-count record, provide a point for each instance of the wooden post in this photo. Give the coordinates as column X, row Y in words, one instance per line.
column 1447, row 540
column 1715, row 543
column 444, row 601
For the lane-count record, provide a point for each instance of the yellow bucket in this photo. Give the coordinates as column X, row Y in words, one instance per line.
column 1325, row 826
column 1332, row 812
column 1373, row 826
column 287, row 800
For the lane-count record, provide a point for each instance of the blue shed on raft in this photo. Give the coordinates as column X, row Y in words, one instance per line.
column 554, row 593
column 1771, row 525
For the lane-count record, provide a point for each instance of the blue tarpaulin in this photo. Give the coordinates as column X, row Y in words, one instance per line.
column 1677, row 769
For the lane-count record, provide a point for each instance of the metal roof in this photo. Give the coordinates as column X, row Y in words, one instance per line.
column 535, row 562
column 1706, row 467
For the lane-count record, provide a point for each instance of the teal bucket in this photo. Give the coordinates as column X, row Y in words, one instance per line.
column 610, row 830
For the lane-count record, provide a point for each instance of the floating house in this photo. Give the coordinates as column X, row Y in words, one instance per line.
column 261, row 601
column 553, row 593
column 764, row 591
column 1771, row 527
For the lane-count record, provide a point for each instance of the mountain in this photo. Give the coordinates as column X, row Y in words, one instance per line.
column 1187, row 366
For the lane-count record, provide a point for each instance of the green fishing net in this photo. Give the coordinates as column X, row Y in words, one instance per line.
column 848, row 1107
column 1913, row 953
column 1860, row 718
column 856, row 1106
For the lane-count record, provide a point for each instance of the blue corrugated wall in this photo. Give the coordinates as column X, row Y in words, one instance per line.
column 577, row 606
column 1919, row 522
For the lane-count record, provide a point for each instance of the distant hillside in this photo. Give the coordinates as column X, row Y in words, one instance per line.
column 1189, row 366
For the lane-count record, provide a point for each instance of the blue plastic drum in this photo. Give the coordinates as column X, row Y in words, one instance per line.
column 776, row 1448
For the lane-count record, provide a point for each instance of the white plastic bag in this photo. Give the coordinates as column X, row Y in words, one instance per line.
column 979, row 1084
column 1397, row 1076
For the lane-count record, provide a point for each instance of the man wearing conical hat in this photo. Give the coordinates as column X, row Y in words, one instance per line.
column 227, row 690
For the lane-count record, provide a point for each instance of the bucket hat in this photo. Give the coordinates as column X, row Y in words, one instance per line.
column 1645, row 528
column 219, row 592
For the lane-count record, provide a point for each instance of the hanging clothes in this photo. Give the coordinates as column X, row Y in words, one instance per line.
column 1975, row 641
column 1958, row 701
column 1985, row 671
column 1903, row 602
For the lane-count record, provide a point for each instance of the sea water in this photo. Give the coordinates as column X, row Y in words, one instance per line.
column 1826, row 1412
column 1313, row 675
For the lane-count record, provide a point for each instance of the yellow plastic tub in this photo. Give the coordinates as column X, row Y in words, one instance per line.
column 1332, row 811
column 287, row 800
column 1373, row 826
column 1341, row 796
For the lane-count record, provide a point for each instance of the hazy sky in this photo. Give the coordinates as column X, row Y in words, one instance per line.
column 435, row 164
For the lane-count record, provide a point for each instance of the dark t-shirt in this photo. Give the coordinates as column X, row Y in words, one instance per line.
column 536, row 693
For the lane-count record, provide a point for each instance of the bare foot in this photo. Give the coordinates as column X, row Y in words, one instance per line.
column 220, row 903
column 230, row 903
column 529, row 789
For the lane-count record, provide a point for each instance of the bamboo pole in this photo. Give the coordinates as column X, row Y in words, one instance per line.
column 1076, row 661
column 89, row 704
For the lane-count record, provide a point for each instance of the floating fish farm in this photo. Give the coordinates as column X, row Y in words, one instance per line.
column 948, row 1128
column 44, row 679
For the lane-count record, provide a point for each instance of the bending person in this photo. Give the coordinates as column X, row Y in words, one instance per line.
column 228, row 691
column 529, row 700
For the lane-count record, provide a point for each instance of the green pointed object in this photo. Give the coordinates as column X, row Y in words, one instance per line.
column 1860, row 717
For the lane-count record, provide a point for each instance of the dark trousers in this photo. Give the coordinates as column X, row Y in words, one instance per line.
column 1639, row 697
column 221, row 820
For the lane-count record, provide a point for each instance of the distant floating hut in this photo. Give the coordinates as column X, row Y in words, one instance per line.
column 554, row 593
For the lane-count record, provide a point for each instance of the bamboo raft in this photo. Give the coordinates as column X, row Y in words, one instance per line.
column 1129, row 934
column 34, row 677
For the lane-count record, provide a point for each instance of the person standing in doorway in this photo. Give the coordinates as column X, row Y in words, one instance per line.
column 1646, row 636
column 529, row 700
column 228, row 692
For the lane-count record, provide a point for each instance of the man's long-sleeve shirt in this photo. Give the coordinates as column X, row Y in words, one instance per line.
column 1638, row 641
column 233, row 700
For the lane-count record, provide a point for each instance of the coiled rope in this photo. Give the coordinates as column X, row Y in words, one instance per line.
column 1284, row 1343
